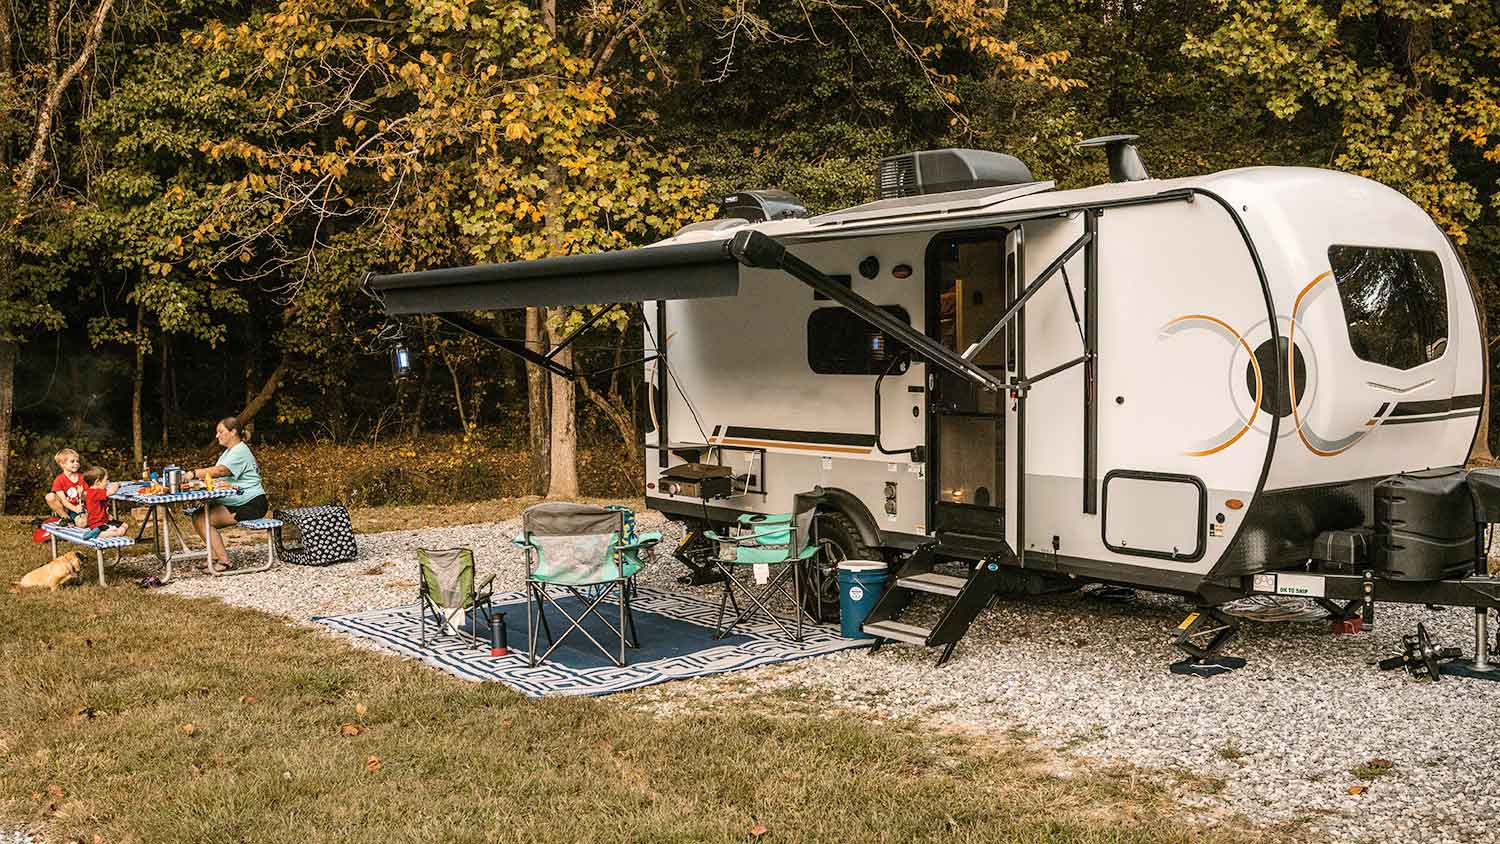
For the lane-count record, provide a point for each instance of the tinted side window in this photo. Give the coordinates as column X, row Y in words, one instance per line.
column 840, row 343
column 1395, row 303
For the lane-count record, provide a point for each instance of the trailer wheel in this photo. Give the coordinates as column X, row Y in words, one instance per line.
column 839, row 540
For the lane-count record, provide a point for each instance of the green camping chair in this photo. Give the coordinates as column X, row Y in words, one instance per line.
column 762, row 541
column 447, row 585
column 587, row 552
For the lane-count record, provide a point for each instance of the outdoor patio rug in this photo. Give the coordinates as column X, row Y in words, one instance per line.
column 675, row 632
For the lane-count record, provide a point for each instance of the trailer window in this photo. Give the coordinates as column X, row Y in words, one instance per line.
column 1395, row 303
column 840, row 343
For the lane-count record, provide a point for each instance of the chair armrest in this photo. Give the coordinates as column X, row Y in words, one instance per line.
column 642, row 540
column 485, row 588
column 753, row 537
column 521, row 541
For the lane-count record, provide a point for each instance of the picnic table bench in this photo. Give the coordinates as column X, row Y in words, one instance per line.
column 80, row 536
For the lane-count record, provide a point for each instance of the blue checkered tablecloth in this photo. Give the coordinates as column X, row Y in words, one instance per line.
column 131, row 494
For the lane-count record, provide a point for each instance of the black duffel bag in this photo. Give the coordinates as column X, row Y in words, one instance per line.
column 315, row 536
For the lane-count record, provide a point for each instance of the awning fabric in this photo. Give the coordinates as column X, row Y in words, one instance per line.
column 679, row 271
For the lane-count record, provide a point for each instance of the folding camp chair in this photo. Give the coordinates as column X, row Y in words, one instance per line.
column 586, row 551
column 758, row 542
column 447, row 585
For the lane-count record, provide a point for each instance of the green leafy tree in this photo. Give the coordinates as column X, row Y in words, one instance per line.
column 43, row 50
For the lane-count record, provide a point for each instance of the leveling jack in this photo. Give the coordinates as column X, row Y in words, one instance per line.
column 1480, row 667
column 1200, row 636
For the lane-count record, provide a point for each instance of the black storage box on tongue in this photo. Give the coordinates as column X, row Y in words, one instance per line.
column 1344, row 550
column 1424, row 525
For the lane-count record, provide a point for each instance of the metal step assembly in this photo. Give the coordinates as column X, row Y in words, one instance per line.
column 963, row 598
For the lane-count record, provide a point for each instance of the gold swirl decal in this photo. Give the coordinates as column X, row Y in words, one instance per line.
column 1225, row 330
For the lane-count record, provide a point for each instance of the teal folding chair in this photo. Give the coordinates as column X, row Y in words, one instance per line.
column 782, row 541
column 583, row 551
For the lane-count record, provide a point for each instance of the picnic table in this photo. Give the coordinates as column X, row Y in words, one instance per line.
column 161, row 519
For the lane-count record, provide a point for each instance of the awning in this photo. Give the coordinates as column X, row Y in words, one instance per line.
column 679, row 271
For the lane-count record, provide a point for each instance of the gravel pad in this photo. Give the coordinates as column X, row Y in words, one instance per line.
column 1280, row 742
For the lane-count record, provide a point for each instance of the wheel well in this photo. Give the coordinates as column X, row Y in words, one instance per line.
column 846, row 502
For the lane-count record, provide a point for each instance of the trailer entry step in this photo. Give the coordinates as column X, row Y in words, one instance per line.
column 909, row 633
column 937, row 584
column 963, row 599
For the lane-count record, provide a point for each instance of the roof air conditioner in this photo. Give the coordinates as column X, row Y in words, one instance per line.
column 944, row 170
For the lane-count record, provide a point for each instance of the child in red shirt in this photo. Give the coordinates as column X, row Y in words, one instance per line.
column 95, row 498
column 66, row 498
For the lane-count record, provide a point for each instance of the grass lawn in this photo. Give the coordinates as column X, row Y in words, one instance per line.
column 128, row 715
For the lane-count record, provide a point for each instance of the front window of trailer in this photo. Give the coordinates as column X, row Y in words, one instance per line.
column 1395, row 303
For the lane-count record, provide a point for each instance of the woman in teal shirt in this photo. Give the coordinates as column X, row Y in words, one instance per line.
column 237, row 467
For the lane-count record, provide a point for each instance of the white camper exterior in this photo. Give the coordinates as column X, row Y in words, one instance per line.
column 1209, row 465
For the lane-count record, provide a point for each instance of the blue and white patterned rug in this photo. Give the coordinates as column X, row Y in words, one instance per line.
column 675, row 632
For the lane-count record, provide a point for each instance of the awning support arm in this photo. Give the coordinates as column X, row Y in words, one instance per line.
column 515, row 347
column 754, row 249
column 637, row 362
column 1031, row 290
column 573, row 335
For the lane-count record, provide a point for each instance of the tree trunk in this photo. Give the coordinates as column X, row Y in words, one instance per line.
column 416, row 421
column 263, row 397
column 614, row 408
column 137, row 388
column 9, row 351
column 563, row 482
column 536, row 402
column 164, row 385
column 458, row 396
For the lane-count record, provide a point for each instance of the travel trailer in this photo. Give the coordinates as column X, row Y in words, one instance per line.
column 1263, row 380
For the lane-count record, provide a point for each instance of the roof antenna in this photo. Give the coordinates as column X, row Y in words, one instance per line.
column 1125, row 163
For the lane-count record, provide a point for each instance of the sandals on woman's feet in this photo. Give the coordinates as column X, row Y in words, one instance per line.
column 221, row 565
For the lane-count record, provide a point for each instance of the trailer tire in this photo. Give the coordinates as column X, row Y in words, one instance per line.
column 840, row 540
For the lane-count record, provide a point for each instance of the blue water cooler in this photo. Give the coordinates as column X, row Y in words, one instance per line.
column 860, row 585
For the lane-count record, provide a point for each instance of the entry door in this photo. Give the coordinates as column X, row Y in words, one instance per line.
column 969, row 283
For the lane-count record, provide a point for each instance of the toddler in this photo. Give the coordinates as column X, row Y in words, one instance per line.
column 95, row 499
column 66, row 498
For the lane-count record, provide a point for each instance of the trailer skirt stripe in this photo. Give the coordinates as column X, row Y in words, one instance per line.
column 799, row 440
column 1420, row 408
column 1462, row 414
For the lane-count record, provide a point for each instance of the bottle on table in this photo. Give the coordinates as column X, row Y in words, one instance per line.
column 145, row 472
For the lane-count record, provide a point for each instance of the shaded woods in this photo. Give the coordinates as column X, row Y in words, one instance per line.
column 193, row 191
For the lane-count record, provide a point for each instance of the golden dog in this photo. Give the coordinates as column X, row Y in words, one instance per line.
column 53, row 574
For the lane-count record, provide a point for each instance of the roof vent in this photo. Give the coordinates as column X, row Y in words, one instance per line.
column 1125, row 164
column 944, row 170
column 758, row 206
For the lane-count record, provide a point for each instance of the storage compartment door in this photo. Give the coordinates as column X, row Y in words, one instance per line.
column 1153, row 514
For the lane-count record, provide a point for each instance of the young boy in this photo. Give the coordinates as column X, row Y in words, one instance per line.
column 66, row 498
column 95, row 500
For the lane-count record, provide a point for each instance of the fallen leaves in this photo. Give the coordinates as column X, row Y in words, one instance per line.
column 187, row 729
column 361, row 710
column 372, row 764
column 247, row 699
column 350, row 729
column 758, row 830
column 1358, row 789
column 1378, row 764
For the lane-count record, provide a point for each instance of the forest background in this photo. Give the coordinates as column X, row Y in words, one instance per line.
column 193, row 190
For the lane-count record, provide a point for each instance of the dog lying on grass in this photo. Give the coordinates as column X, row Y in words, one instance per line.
column 54, row 574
